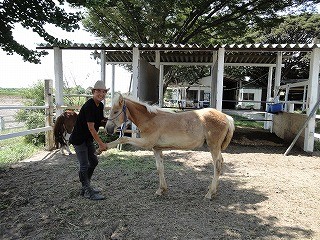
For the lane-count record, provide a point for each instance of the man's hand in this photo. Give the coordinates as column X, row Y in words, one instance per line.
column 103, row 147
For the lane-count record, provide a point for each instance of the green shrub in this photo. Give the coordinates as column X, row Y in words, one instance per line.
column 33, row 118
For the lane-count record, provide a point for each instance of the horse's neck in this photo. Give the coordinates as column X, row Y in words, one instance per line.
column 137, row 113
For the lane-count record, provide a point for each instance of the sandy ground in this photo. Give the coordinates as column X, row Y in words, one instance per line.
column 262, row 195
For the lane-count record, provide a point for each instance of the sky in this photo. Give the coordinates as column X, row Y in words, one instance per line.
column 78, row 67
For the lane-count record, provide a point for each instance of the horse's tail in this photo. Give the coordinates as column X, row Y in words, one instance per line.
column 229, row 135
column 58, row 132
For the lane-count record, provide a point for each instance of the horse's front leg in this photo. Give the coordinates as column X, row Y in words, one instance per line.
column 160, row 168
column 67, row 147
column 138, row 142
column 217, row 167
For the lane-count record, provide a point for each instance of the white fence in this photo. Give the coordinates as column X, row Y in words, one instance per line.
column 48, row 95
column 9, row 122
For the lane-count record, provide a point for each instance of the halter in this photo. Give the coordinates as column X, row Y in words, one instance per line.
column 125, row 118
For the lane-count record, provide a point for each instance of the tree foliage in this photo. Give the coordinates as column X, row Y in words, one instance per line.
column 34, row 15
column 182, row 21
column 186, row 21
column 301, row 28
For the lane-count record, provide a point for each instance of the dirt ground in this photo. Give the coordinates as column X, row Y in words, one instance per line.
column 262, row 195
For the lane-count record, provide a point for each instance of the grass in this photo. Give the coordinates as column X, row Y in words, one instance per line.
column 243, row 122
column 14, row 150
column 136, row 160
column 11, row 91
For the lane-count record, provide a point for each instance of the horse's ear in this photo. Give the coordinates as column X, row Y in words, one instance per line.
column 120, row 99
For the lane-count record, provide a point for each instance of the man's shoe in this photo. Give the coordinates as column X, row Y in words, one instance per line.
column 82, row 190
column 90, row 194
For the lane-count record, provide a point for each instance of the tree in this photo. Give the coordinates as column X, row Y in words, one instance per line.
column 301, row 28
column 182, row 21
column 185, row 21
column 34, row 14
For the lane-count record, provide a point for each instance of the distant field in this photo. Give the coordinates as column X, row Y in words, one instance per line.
column 11, row 91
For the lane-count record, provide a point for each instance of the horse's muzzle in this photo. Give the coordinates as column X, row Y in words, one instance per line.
column 110, row 127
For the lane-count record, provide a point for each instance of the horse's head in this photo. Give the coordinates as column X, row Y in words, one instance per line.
column 117, row 114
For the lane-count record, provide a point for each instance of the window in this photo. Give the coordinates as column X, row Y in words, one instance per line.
column 248, row 96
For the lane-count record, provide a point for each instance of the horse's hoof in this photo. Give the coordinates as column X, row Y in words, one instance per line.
column 161, row 191
column 158, row 192
column 210, row 196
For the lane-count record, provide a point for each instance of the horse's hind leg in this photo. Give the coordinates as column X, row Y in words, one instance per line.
column 217, row 168
column 160, row 168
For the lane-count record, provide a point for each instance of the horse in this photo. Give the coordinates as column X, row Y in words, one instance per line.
column 163, row 130
column 62, row 130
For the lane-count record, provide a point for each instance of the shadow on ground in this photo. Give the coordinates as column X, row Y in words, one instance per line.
column 40, row 200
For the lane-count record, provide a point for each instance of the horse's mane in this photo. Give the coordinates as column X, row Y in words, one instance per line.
column 150, row 108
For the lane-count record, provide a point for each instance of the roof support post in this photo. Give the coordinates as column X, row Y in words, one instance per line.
column 160, row 67
column 135, row 71
column 58, row 79
column 161, row 82
column 135, row 80
column 103, row 65
column 213, row 90
column 113, row 79
column 312, row 99
column 103, row 68
column 277, row 76
column 268, row 116
column 217, row 84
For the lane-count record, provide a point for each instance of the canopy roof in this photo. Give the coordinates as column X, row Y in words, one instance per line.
column 192, row 54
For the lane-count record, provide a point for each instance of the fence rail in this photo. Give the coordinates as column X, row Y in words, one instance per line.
column 26, row 132
column 48, row 107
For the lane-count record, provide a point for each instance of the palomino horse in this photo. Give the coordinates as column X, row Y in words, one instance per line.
column 62, row 129
column 164, row 130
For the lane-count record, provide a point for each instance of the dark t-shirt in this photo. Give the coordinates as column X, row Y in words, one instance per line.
column 89, row 112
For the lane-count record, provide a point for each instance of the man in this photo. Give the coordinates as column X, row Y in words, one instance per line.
column 84, row 132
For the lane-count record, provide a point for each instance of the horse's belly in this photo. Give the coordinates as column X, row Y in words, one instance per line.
column 176, row 142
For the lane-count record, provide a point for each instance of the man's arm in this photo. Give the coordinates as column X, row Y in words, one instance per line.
column 102, row 146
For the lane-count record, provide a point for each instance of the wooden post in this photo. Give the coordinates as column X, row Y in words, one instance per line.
column 48, row 113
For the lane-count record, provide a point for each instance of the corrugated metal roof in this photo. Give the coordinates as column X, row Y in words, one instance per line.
column 177, row 47
column 190, row 53
column 200, row 57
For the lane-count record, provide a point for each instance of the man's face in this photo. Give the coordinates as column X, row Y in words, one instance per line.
column 99, row 94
